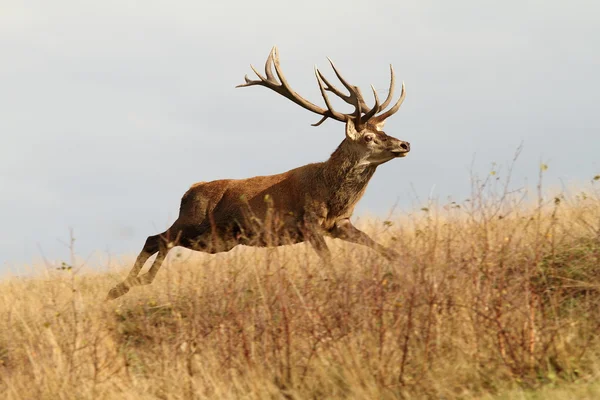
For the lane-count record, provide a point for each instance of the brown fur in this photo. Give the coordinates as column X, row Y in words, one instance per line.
column 326, row 192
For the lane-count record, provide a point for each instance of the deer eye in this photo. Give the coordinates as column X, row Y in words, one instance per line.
column 368, row 138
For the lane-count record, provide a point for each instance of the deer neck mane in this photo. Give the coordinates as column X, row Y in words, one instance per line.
column 346, row 175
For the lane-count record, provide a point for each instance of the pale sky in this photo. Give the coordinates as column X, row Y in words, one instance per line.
column 110, row 110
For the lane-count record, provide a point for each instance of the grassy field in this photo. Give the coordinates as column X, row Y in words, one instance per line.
column 495, row 297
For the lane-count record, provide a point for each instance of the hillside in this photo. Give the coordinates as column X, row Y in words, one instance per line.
column 496, row 296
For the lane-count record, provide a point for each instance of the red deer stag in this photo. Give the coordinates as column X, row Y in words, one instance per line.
column 303, row 204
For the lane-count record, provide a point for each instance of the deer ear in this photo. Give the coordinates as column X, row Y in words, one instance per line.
column 379, row 125
column 351, row 132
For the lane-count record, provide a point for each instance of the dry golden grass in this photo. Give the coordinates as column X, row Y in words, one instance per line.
column 491, row 298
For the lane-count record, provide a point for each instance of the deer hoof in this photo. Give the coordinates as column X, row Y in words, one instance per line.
column 117, row 291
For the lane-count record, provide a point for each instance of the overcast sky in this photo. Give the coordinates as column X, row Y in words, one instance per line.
column 110, row 110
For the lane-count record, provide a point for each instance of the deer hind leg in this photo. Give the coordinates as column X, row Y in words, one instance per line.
column 153, row 245
column 148, row 277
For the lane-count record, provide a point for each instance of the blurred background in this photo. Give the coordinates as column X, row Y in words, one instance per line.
column 110, row 110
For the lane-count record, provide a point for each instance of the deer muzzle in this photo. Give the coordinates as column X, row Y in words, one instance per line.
column 401, row 149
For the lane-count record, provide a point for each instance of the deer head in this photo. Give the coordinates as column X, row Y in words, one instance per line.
column 364, row 126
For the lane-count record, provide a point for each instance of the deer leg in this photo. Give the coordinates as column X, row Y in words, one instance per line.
column 148, row 277
column 312, row 233
column 346, row 231
column 318, row 243
column 199, row 244
column 152, row 245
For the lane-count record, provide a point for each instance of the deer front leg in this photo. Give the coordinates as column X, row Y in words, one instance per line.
column 314, row 235
column 346, row 231
column 318, row 243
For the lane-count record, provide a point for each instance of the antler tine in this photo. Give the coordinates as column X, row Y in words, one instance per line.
column 283, row 88
column 296, row 98
column 353, row 99
column 355, row 94
column 333, row 89
column 320, row 121
column 391, row 90
column 269, row 81
column 279, row 73
column 330, row 109
column 348, row 86
column 375, row 108
column 392, row 111
column 268, row 69
column 249, row 82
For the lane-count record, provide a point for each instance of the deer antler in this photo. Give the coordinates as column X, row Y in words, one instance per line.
column 354, row 97
column 283, row 88
column 382, row 117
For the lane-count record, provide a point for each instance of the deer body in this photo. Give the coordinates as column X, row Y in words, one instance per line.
column 302, row 204
column 320, row 193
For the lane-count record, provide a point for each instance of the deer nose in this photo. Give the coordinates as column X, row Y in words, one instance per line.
column 405, row 146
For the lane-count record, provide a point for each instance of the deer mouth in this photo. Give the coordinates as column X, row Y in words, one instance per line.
column 400, row 153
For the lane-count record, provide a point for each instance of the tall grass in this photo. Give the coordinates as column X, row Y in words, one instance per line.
column 498, row 293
